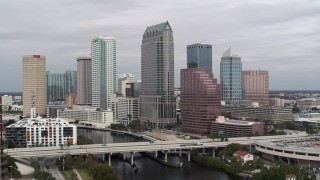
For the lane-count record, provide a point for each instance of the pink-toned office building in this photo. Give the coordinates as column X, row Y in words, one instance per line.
column 200, row 100
column 255, row 85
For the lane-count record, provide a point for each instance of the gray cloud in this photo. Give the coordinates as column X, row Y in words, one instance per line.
column 281, row 36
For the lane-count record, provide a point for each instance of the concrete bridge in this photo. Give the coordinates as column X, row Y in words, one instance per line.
column 135, row 147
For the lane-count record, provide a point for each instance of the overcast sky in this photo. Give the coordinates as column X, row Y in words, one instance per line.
column 281, row 36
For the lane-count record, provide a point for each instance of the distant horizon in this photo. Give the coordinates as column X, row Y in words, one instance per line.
column 20, row 92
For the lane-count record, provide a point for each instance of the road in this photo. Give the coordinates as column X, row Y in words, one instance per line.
column 50, row 166
column 138, row 146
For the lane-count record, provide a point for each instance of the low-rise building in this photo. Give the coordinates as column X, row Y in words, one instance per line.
column 276, row 114
column 99, row 118
column 41, row 132
column 308, row 119
column 243, row 155
column 236, row 128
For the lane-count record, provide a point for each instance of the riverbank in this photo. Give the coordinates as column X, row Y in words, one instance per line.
column 234, row 169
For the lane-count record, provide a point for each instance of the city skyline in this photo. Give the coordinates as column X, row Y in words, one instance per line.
column 279, row 36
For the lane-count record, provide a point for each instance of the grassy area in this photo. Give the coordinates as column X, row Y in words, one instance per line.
column 84, row 174
column 67, row 174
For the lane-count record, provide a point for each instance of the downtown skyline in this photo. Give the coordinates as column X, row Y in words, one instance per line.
column 278, row 36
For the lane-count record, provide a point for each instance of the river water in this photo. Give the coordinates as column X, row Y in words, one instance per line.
column 149, row 169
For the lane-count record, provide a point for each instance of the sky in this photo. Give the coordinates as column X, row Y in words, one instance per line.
column 281, row 36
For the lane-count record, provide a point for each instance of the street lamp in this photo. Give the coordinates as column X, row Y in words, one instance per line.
column 11, row 170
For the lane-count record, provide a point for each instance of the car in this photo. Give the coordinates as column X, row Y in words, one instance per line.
column 182, row 145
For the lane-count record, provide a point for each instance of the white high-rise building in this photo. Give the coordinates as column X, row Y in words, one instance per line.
column 103, row 66
column 122, row 81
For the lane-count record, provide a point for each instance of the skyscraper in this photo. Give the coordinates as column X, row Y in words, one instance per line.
column 56, row 87
column 103, row 69
column 60, row 85
column 34, row 84
column 199, row 56
column 230, row 77
column 84, row 80
column 71, row 82
column 200, row 100
column 122, row 81
column 255, row 85
column 157, row 75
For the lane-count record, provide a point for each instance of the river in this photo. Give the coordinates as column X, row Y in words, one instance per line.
column 149, row 168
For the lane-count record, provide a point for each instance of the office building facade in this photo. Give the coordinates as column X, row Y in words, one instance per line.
column 103, row 69
column 230, row 77
column 255, row 84
column 60, row 85
column 157, row 73
column 200, row 100
column 34, row 84
column 199, row 56
column 122, row 81
column 84, row 80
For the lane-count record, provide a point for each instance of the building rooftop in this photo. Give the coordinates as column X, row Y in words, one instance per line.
column 32, row 122
column 241, row 153
column 158, row 27
column 223, row 120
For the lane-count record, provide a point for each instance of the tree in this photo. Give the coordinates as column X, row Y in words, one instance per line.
column 120, row 127
column 230, row 149
column 68, row 162
column 135, row 125
column 295, row 109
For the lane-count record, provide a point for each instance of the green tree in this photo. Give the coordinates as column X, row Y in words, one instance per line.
column 135, row 125
column 230, row 149
column 295, row 109
column 120, row 127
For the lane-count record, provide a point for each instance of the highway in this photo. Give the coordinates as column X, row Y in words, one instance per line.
column 139, row 146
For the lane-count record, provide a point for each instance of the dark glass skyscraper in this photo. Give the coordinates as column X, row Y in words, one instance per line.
column 157, row 75
column 59, row 85
column 199, row 56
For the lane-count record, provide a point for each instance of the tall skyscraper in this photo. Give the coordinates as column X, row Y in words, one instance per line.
column 56, row 87
column 157, row 75
column 34, row 84
column 71, row 82
column 103, row 69
column 60, row 85
column 200, row 100
column 255, row 85
column 84, row 80
column 122, row 81
column 199, row 56
column 230, row 77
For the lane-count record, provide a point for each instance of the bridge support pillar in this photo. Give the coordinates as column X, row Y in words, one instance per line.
column 132, row 158
column 189, row 156
column 110, row 159
column 166, row 156
column 213, row 152
column 179, row 152
column 103, row 156
column 288, row 159
column 156, row 154
column 124, row 156
column 203, row 150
